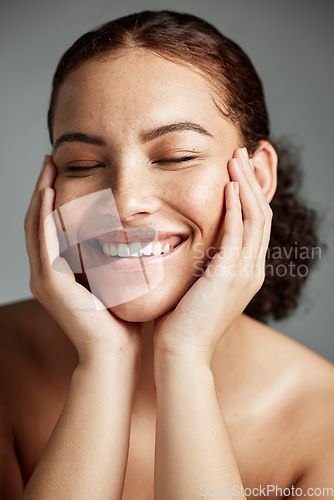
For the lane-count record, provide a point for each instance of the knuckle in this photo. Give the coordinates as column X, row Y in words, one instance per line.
column 256, row 285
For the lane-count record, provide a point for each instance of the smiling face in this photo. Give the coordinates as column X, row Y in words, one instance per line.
column 148, row 129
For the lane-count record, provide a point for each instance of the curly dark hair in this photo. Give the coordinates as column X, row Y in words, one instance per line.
column 239, row 96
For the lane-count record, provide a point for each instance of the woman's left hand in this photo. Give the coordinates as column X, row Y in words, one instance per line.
column 233, row 277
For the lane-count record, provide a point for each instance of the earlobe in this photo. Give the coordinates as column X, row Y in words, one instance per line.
column 264, row 162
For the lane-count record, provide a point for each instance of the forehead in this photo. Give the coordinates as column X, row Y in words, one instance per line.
column 131, row 91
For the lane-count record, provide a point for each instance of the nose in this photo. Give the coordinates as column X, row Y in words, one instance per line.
column 134, row 189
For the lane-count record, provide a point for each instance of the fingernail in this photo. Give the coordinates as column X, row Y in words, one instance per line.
column 245, row 153
column 236, row 187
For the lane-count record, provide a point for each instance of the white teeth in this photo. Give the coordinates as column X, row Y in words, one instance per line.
column 165, row 248
column 112, row 251
column 148, row 249
column 135, row 249
column 123, row 250
column 157, row 249
column 106, row 250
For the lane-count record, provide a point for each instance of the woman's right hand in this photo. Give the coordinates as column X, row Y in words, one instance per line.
column 94, row 333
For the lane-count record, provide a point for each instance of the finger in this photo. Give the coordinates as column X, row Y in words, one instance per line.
column 253, row 216
column 31, row 222
column 231, row 243
column 249, row 169
column 48, row 237
column 242, row 154
column 58, row 273
column 265, row 240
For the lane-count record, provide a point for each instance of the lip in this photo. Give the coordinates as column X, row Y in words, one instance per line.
column 133, row 264
column 128, row 237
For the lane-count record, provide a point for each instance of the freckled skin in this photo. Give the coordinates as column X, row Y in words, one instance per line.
column 276, row 395
column 118, row 100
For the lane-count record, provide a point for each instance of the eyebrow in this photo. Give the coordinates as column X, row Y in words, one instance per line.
column 145, row 137
column 174, row 127
column 78, row 137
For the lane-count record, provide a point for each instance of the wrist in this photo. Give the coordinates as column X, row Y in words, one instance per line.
column 187, row 368
column 187, row 356
column 120, row 366
column 97, row 354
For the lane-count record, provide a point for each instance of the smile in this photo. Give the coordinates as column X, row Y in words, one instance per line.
column 142, row 249
column 138, row 254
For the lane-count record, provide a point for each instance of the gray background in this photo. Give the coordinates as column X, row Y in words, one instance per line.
column 291, row 45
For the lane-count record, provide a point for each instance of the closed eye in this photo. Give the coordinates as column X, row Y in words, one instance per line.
column 76, row 168
column 178, row 160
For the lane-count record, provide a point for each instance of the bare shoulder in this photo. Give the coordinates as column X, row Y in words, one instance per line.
column 295, row 387
column 269, row 362
column 283, row 352
column 277, row 397
column 36, row 363
column 31, row 345
column 300, row 378
column 29, row 334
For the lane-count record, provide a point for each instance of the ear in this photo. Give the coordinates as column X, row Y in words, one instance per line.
column 264, row 161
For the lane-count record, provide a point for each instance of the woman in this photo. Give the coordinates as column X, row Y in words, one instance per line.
column 160, row 386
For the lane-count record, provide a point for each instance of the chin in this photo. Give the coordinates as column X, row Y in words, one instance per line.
column 139, row 307
column 132, row 315
column 145, row 308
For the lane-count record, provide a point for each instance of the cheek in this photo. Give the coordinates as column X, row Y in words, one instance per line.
column 75, row 207
column 67, row 191
column 64, row 194
column 202, row 202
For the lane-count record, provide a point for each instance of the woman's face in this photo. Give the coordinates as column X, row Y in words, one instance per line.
column 121, row 108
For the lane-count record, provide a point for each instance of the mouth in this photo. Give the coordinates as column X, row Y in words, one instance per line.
column 130, row 256
column 142, row 249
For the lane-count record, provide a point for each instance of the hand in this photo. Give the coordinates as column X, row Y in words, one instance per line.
column 91, row 331
column 234, row 275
